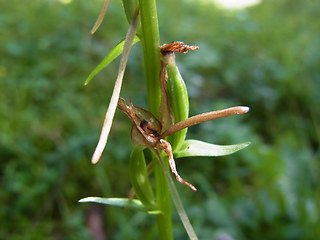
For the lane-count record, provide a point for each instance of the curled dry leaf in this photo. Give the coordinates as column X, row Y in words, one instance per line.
column 165, row 146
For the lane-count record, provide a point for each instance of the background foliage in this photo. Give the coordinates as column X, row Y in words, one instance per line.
column 266, row 57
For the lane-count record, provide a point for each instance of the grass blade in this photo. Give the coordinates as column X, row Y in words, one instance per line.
column 113, row 54
column 118, row 202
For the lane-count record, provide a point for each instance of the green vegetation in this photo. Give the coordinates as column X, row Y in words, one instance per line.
column 266, row 57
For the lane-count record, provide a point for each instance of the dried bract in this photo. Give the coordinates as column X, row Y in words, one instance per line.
column 179, row 47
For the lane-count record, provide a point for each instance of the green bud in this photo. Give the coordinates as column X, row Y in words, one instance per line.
column 130, row 7
column 139, row 178
column 178, row 99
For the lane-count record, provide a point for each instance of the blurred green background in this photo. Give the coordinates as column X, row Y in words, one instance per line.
column 266, row 57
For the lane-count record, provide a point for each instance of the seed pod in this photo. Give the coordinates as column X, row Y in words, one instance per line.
column 139, row 178
column 178, row 98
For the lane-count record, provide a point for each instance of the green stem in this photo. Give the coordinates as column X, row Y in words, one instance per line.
column 164, row 220
column 176, row 199
column 151, row 50
column 151, row 43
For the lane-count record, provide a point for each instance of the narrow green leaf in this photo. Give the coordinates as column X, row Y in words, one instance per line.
column 198, row 148
column 113, row 54
column 133, row 204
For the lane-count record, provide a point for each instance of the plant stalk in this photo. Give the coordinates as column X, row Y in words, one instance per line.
column 150, row 41
column 176, row 199
column 151, row 50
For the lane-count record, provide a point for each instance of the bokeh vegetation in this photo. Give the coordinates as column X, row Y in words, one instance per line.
column 266, row 57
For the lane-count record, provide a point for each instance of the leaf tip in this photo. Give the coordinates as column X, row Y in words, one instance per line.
column 244, row 145
column 95, row 159
column 87, row 199
column 245, row 109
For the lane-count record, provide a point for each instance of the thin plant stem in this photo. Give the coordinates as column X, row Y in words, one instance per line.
column 176, row 199
column 150, row 41
column 151, row 50
column 164, row 220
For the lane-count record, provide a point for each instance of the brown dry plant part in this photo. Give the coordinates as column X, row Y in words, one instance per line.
column 100, row 17
column 178, row 46
column 203, row 117
column 146, row 129
column 116, row 90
